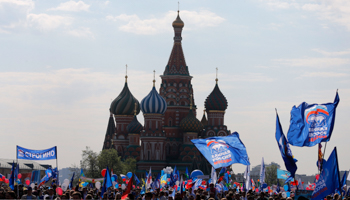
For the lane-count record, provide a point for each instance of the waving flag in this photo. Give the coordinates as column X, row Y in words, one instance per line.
column 128, row 187
column 149, row 178
column 213, row 175
column 312, row 124
column 187, row 174
column 71, row 181
column 286, row 153
column 221, row 174
column 223, row 151
column 329, row 179
column 12, row 178
column 123, row 177
column 343, row 183
column 107, row 182
column 247, row 178
column 81, row 174
column 262, row 171
column 137, row 181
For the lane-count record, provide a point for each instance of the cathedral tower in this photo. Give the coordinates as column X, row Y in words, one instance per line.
column 176, row 89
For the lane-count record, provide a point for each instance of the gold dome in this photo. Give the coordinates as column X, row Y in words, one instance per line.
column 178, row 23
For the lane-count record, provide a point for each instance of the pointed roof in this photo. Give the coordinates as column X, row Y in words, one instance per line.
column 216, row 100
column 177, row 64
column 109, row 133
column 204, row 120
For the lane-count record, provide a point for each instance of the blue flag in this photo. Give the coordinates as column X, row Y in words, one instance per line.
column 71, row 181
column 12, row 178
column 137, row 181
column 329, row 179
column 278, row 189
column 286, row 153
column 312, row 124
column 107, row 182
column 223, row 151
column 343, row 183
column 282, row 174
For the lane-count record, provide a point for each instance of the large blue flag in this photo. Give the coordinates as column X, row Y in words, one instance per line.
column 329, row 179
column 286, row 153
column 223, row 151
column 312, row 124
column 107, row 182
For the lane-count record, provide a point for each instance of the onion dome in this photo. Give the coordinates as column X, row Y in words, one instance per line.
column 190, row 123
column 204, row 120
column 178, row 23
column 153, row 103
column 124, row 103
column 134, row 126
column 216, row 100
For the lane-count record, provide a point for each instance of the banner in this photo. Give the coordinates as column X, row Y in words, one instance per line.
column 223, row 151
column 28, row 154
column 312, row 124
column 282, row 174
column 329, row 179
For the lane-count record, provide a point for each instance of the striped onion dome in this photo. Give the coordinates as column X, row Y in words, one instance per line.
column 134, row 126
column 190, row 123
column 124, row 104
column 153, row 103
column 216, row 100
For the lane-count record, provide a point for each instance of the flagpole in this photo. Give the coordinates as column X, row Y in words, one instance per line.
column 18, row 169
column 58, row 173
column 324, row 151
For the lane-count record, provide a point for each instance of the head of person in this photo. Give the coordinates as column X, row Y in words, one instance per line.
column 51, row 191
column 76, row 195
column 29, row 191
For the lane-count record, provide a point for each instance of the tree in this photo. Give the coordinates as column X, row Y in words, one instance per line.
column 89, row 163
column 271, row 174
column 130, row 165
column 110, row 158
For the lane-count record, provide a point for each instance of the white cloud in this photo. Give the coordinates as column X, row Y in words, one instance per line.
column 72, row 6
column 83, row 32
column 313, row 62
column 278, row 4
column 336, row 53
column 151, row 26
column 45, row 22
column 337, row 11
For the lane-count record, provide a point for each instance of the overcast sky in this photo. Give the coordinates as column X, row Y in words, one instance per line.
column 62, row 63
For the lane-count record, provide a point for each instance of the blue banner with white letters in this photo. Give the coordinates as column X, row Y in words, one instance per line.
column 223, row 151
column 312, row 124
column 29, row 154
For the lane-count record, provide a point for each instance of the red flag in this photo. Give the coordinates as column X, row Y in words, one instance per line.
column 128, row 187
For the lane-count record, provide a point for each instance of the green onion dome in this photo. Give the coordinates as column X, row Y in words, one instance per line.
column 216, row 100
column 134, row 126
column 124, row 104
column 190, row 123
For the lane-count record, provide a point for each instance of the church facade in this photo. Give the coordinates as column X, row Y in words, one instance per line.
column 170, row 120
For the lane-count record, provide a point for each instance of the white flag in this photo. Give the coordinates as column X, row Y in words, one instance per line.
column 213, row 175
column 248, row 182
column 262, row 172
column 348, row 176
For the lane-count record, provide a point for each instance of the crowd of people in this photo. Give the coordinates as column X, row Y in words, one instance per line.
column 51, row 193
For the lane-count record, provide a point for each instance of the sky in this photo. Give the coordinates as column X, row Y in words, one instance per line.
column 63, row 62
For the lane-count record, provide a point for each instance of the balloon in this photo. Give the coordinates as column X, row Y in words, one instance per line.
column 103, row 172
column 113, row 179
column 285, row 187
column 114, row 183
column 27, row 182
column 98, row 185
column 19, row 176
column 129, row 174
column 64, row 186
column 66, row 181
column 234, row 185
column 59, row 191
column 256, row 190
column 32, row 185
column 123, row 186
column 287, row 194
column 196, row 173
column 284, row 195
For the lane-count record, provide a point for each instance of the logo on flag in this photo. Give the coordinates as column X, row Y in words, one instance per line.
column 220, row 151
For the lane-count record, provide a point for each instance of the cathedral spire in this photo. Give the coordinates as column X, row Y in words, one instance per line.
column 177, row 64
